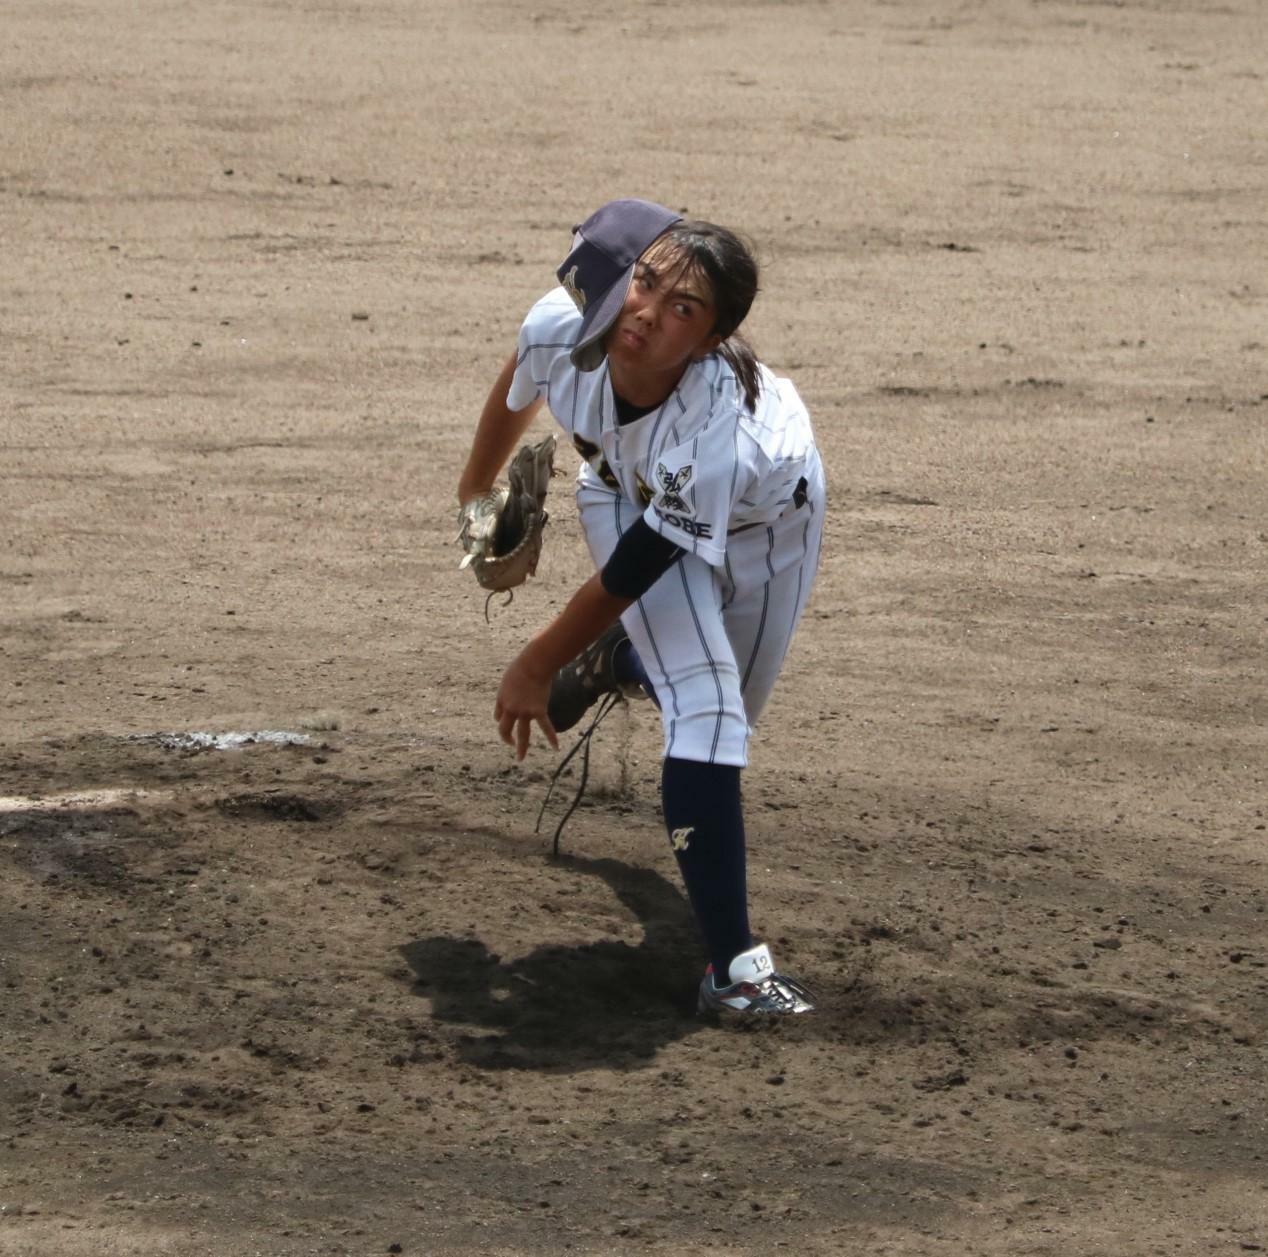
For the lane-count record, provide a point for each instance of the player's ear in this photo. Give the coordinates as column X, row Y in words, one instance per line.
column 707, row 346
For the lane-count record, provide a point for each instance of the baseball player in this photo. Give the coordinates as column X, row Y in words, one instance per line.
column 702, row 496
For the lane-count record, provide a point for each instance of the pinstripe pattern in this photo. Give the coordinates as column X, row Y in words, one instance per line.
column 761, row 624
column 665, row 685
column 708, row 656
column 664, row 682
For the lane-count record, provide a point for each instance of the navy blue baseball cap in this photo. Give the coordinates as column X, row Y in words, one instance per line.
column 598, row 269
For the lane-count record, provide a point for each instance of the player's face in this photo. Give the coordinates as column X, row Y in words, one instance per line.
column 666, row 323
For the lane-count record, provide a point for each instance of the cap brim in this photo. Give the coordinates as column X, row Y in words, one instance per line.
column 588, row 353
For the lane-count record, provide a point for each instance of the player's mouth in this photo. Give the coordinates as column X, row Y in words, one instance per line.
column 630, row 338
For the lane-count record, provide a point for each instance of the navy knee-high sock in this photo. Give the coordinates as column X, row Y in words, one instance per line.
column 705, row 820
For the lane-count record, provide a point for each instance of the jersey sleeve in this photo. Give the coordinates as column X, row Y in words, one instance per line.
column 549, row 331
column 740, row 471
column 695, row 487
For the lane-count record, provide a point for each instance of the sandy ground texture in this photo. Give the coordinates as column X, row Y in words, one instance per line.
column 286, row 968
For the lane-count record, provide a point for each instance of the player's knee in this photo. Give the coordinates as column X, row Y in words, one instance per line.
column 709, row 735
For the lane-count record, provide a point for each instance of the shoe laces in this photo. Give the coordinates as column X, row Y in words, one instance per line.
column 582, row 744
column 777, row 993
column 598, row 659
column 781, row 992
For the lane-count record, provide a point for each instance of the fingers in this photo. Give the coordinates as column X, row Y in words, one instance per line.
column 506, row 723
column 516, row 730
column 549, row 730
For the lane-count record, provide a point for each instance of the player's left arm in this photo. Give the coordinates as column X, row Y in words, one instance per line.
column 497, row 431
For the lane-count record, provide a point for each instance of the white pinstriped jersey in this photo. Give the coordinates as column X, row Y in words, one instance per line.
column 702, row 464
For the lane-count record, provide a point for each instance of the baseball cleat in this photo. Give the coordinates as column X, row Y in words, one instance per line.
column 755, row 988
column 578, row 685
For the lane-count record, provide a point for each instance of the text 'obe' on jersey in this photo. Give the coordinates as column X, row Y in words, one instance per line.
column 693, row 528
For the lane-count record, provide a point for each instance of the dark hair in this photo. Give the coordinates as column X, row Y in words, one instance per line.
column 726, row 263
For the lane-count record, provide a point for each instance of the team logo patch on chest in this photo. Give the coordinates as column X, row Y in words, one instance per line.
column 671, row 487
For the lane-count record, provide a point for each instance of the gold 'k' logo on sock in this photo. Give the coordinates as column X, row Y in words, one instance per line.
column 678, row 839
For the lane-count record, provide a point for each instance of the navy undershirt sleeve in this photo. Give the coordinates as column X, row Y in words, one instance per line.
column 641, row 558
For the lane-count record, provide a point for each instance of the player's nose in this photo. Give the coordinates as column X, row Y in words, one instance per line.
column 648, row 311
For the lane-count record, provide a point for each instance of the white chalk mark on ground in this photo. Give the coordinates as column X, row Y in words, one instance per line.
column 112, row 797
column 224, row 741
column 74, row 800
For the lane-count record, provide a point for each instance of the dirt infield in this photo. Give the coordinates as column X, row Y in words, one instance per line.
column 286, row 969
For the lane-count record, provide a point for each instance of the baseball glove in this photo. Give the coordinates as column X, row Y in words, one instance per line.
column 501, row 531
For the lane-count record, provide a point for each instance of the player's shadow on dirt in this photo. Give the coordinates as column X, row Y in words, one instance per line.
column 559, row 1008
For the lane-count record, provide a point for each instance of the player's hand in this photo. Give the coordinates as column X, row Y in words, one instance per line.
column 521, row 703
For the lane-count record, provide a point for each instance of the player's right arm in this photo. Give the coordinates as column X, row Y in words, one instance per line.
column 497, row 433
column 640, row 559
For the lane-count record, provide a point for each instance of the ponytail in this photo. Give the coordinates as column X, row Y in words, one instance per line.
column 739, row 356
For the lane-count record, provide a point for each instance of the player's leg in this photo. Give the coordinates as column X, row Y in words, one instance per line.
column 765, row 588
column 678, row 632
